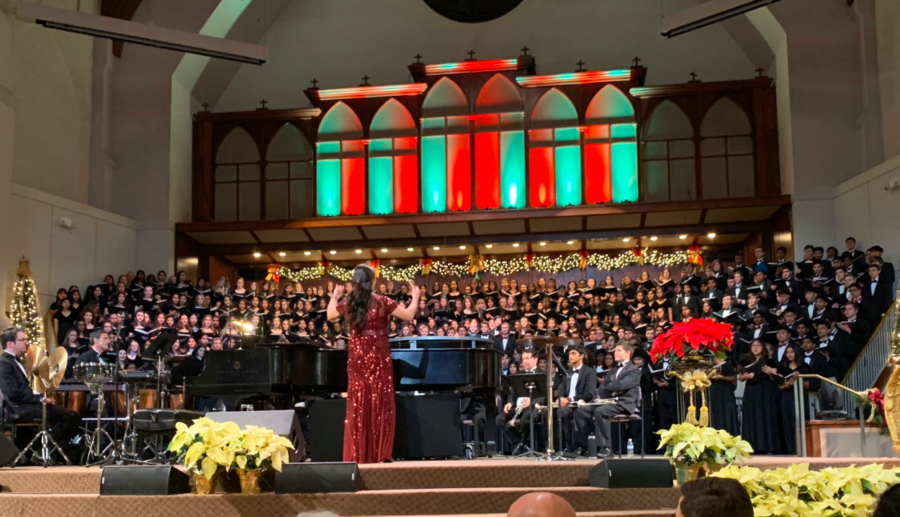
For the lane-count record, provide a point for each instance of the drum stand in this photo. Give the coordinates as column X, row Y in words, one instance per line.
column 48, row 444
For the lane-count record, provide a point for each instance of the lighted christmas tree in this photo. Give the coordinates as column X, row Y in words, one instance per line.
column 24, row 308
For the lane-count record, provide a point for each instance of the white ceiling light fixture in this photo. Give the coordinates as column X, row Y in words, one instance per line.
column 410, row 249
column 141, row 34
column 257, row 255
column 384, row 250
column 711, row 235
column 488, row 246
column 282, row 254
column 654, row 238
column 358, row 252
column 436, row 248
column 332, row 252
column 570, row 243
column 307, row 253
column 515, row 245
column 682, row 237
column 542, row 243
column 705, row 14
column 462, row 247
column 626, row 239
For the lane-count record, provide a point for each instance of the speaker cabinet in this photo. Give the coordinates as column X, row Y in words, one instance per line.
column 8, row 450
column 143, row 480
column 632, row 473
column 317, row 478
column 281, row 422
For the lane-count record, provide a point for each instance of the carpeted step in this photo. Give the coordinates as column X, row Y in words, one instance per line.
column 384, row 503
column 475, row 474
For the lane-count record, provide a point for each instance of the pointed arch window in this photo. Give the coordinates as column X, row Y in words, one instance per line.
column 610, row 149
column 446, row 149
column 340, row 163
column 669, row 171
column 499, row 146
column 289, row 175
column 554, row 152
column 238, row 195
column 726, row 151
column 393, row 161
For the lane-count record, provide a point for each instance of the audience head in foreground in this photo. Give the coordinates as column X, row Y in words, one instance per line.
column 541, row 504
column 889, row 503
column 714, row 497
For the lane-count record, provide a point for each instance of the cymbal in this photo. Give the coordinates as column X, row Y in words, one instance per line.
column 33, row 356
column 42, row 377
column 59, row 360
column 542, row 341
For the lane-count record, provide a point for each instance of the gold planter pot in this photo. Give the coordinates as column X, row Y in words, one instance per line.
column 203, row 486
column 685, row 473
column 250, row 480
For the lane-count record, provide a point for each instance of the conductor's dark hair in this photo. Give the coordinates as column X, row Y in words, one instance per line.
column 360, row 296
column 9, row 335
column 712, row 497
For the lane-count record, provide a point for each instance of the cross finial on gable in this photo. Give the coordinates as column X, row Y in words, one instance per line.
column 637, row 61
column 315, row 83
column 471, row 54
column 580, row 66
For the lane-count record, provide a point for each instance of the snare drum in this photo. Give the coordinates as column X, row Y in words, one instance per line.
column 94, row 373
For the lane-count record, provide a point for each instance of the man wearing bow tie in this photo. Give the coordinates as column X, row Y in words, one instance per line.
column 516, row 431
column 579, row 386
column 21, row 403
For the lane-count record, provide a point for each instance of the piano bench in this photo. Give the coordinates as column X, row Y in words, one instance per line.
column 474, row 448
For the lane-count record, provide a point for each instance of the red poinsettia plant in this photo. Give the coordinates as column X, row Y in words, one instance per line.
column 703, row 337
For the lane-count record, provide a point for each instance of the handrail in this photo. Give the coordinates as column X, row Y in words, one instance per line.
column 871, row 361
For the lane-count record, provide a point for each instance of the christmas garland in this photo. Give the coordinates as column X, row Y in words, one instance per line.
column 476, row 265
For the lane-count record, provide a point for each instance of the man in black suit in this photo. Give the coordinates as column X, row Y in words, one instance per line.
column 887, row 269
column 505, row 343
column 622, row 382
column 580, row 385
column 713, row 294
column 857, row 328
column 515, row 431
column 20, row 403
column 877, row 295
column 739, row 292
column 99, row 346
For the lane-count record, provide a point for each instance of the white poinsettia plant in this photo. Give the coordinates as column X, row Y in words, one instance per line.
column 206, row 446
column 797, row 491
column 689, row 444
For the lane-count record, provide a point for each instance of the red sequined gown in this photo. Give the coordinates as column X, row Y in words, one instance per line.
column 369, row 425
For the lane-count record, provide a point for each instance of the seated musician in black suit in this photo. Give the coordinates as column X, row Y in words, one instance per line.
column 20, row 403
column 579, row 386
column 521, row 404
column 622, row 382
column 99, row 346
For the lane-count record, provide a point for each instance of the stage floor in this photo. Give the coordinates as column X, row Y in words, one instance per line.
column 434, row 488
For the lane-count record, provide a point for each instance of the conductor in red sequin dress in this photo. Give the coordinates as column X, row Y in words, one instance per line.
column 369, row 425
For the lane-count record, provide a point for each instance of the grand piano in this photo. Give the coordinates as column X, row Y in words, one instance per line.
column 468, row 365
column 420, row 364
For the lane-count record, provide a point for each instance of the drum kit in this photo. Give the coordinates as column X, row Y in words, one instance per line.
column 47, row 372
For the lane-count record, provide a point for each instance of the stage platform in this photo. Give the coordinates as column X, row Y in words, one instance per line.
column 433, row 488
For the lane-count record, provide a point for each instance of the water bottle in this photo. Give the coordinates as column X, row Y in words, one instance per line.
column 630, row 449
column 592, row 446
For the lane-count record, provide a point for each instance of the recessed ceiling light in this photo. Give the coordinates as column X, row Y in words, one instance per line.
column 462, row 247
column 653, row 238
column 570, row 243
column 257, row 255
column 436, row 248
column 307, row 253
column 410, row 249
column 626, row 239
column 543, row 243
column 515, row 245
column 358, row 252
column 488, row 246
column 711, row 235
column 281, row 254
column 384, row 250
column 682, row 237
column 332, row 252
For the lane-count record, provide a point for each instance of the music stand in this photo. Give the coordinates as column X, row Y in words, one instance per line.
column 549, row 344
column 535, row 385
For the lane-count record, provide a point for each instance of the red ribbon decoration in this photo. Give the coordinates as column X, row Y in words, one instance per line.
column 273, row 273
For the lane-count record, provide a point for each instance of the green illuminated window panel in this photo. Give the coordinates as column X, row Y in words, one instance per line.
column 328, row 187
column 434, row 173
column 512, row 169
column 624, row 172
column 568, row 167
